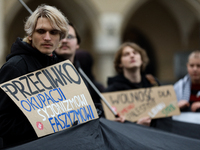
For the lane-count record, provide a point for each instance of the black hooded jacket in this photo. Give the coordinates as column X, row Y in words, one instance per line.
column 119, row 83
column 14, row 126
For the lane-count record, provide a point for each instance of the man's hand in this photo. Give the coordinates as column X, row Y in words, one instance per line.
column 120, row 119
column 195, row 106
column 183, row 104
column 144, row 121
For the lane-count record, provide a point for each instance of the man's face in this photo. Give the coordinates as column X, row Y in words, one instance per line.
column 45, row 38
column 68, row 46
column 193, row 67
column 130, row 59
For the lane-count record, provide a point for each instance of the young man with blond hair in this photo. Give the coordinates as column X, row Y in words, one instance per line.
column 45, row 27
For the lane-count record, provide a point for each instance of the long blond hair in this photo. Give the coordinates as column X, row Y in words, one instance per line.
column 55, row 16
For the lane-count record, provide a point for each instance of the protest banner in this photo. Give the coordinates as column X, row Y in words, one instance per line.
column 155, row 102
column 52, row 98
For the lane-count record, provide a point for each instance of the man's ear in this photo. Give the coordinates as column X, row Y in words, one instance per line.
column 30, row 38
column 120, row 65
column 187, row 65
column 77, row 46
